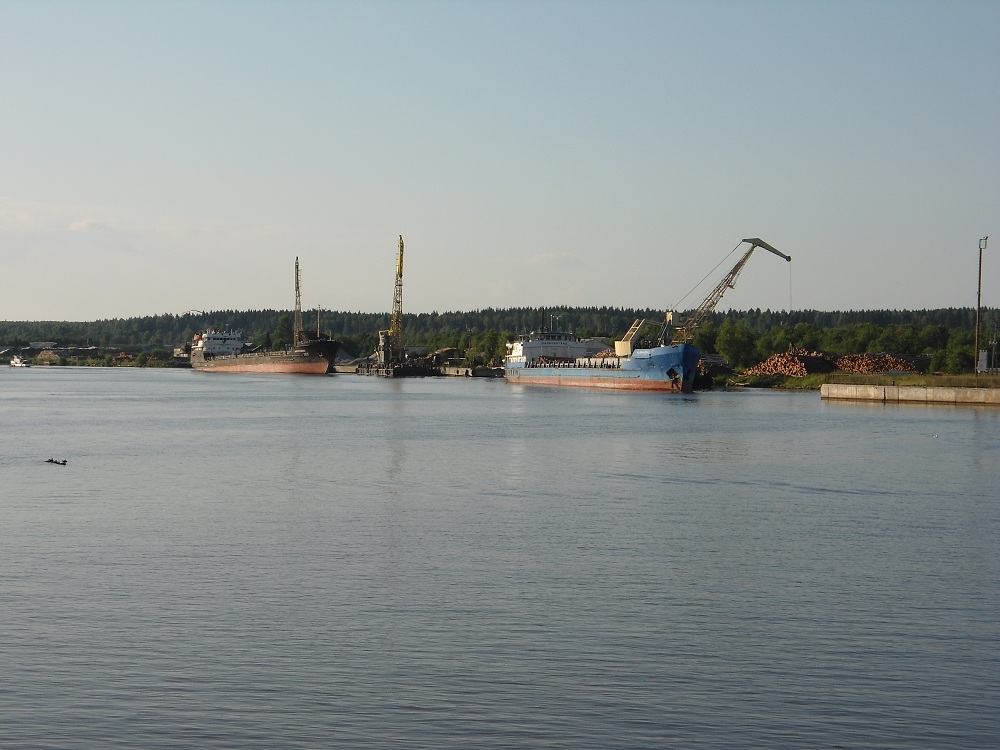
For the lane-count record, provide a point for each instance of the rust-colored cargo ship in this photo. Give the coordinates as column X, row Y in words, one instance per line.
column 225, row 351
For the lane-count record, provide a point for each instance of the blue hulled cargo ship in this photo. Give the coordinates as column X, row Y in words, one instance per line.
column 548, row 357
column 670, row 363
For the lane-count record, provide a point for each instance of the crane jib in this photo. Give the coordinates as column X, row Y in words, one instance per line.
column 758, row 242
column 685, row 333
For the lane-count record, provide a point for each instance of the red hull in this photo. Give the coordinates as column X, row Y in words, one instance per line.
column 615, row 384
column 278, row 364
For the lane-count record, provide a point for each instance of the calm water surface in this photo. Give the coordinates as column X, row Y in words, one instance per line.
column 264, row 561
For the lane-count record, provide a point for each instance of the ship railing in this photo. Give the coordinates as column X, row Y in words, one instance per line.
column 597, row 363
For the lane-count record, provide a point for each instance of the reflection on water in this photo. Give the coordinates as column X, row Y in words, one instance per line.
column 301, row 562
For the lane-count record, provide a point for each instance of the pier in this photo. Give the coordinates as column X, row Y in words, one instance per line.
column 911, row 394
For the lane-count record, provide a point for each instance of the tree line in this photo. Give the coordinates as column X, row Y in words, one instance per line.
column 742, row 337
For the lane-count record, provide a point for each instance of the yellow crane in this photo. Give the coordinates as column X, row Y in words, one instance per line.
column 685, row 334
column 390, row 342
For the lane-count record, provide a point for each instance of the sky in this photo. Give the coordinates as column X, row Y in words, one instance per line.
column 166, row 156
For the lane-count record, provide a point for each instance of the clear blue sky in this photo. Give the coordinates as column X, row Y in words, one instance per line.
column 165, row 156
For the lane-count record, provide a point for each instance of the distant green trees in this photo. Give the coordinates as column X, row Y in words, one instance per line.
column 737, row 343
column 282, row 333
column 743, row 337
column 706, row 337
column 957, row 355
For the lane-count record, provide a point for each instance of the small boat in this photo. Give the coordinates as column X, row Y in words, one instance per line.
column 17, row 361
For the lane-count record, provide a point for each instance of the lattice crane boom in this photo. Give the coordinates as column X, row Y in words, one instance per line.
column 390, row 341
column 685, row 334
column 396, row 324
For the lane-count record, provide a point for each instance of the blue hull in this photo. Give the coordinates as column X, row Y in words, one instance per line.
column 663, row 368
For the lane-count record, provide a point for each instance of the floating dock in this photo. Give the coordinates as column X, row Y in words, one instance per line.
column 390, row 370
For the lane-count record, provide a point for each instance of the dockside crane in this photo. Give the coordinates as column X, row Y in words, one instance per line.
column 685, row 334
column 390, row 342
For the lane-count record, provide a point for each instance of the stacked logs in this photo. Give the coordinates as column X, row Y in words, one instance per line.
column 795, row 363
column 872, row 364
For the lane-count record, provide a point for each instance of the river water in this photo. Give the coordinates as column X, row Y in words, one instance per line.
column 232, row 561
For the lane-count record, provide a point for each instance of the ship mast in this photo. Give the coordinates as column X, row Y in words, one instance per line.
column 297, row 331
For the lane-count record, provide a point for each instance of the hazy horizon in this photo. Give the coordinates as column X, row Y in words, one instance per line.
column 165, row 156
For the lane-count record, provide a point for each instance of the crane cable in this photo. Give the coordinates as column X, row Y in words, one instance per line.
column 789, row 287
column 677, row 306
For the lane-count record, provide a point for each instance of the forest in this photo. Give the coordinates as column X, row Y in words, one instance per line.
column 743, row 338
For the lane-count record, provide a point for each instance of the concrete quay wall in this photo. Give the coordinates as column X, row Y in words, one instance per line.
column 911, row 394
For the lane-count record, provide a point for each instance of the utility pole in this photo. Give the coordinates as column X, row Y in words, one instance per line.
column 979, row 303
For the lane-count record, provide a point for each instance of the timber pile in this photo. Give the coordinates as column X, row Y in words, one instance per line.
column 795, row 363
column 873, row 364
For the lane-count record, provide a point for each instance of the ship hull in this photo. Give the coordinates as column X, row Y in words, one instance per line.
column 283, row 363
column 668, row 369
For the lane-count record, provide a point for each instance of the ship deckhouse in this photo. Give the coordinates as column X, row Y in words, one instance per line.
column 218, row 343
column 546, row 344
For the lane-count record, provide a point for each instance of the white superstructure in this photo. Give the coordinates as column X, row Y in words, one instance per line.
column 547, row 344
column 218, row 343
